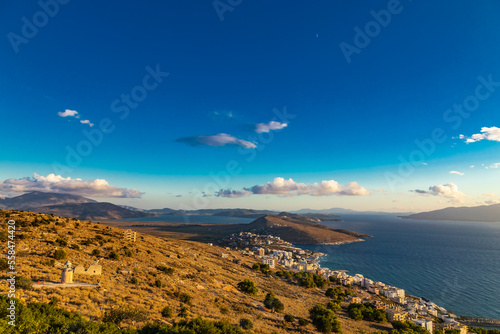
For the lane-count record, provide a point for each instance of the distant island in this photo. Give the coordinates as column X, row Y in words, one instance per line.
column 483, row 213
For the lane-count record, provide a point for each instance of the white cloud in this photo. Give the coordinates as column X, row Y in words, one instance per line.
column 68, row 113
column 495, row 165
column 491, row 134
column 283, row 187
column 86, row 121
column 58, row 184
column 220, row 139
column 233, row 193
column 455, row 172
column 448, row 190
column 471, row 166
column 424, row 163
column 266, row 127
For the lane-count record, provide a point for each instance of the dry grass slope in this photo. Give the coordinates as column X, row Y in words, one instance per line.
column 198, row 271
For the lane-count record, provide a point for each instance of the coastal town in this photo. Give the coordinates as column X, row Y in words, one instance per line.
column 277, row 253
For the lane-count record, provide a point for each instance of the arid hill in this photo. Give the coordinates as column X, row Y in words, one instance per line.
column 483, row 213
column 302, row 231
column 153, row 273
column 69, row 206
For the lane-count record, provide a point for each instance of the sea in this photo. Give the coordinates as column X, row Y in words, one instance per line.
column 454, row 264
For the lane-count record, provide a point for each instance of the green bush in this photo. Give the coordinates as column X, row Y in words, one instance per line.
column 273, row 303
column 183, row 312
column 366, row 311
column 114, row 255
column 166, row 270
column 134, row 280
column 24, row 283
column 4, row 264
column 166, row 312
column 128, row 253
column 303, row 322
column 185, row 298
column 333, row 305
column 246, row 323
column 96, row 252
column 59, row 254
column 248, row 286
column 289, row 318
column 158, row 283
column 61, row 242
column 324, row 319
column 75, row 247
column 117, row 316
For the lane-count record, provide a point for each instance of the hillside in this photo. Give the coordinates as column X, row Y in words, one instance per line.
column 36, row 199
column 69, row 206
column 92, row 211
column 302, row 231
column 153, row 273
column 484, row 213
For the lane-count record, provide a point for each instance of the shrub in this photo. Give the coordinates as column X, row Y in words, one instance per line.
column 302, row 322
column 75, row 247
column 96, row 252
column 224, row 310
column 185, row 298
column 246, row 323
column 183, row 312
column 158, row 283
column 134, row 280
column 116, row 316
column 114, row 255
column 289, row 318
column 61, row 242
column 59, row 254
column 4, row 264
column 128, row 253
column 24, row 283
column 324, row 319
column 166, row 270
column 166, row 312
column 248, row 286
column 273, row 303
column 367, row 312
column 256, row 266
column 333, row 305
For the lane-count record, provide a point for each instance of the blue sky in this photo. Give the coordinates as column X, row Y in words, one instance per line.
column 350, row 118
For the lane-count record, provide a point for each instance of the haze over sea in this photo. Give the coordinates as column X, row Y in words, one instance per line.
column 454, row 264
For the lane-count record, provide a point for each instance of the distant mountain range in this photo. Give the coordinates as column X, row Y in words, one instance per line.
column 87, row 209
column 483, row 213
column 69, row 206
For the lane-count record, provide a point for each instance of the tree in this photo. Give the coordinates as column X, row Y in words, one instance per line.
column 289, row 318
column 248, row 286
column 333, row 305
column 324, row 319
column 273, row 303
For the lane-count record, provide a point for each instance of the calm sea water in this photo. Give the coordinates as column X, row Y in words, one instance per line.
column 454, row 264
